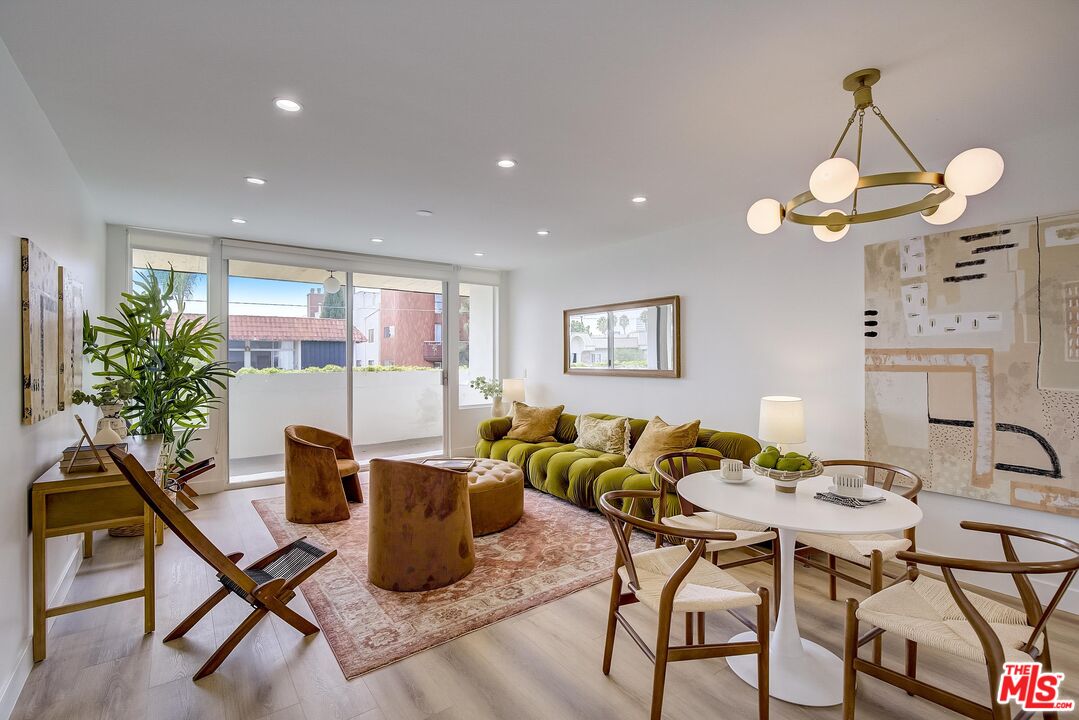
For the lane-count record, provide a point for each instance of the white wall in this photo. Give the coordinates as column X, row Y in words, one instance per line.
column 775, row 314
column 41, row 197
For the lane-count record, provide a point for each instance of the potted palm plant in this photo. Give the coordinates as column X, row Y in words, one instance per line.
column 164, row 360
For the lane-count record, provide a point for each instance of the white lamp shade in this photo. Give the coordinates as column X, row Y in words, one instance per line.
column 974, row 171
column 834, row 180
column 765, row 216
column 782, row 420
column 824, row 234
column 331, row 285
column 948, row 211
column 513, row 389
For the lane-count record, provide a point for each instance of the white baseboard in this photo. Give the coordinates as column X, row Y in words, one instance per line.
column 13, row 685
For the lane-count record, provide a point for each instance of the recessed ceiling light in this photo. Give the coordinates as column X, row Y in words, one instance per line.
column 640, row 199
column 507, row 163
column 238, row 220
column 478, row 254
column 376, row 239
column 424, row 213
column 287, row 104
column 543, row 232
column 255, row 180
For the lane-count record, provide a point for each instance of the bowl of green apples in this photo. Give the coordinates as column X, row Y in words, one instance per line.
column 785, row 469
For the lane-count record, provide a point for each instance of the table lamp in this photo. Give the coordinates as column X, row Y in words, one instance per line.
column 513, row 389
column 782, row 420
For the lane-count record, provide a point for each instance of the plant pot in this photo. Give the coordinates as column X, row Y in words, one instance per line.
column 497, row 407
column 111, row 419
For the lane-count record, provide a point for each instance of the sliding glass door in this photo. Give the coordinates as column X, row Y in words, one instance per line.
column 398, row 370
column 287, row 343
column 365, row 361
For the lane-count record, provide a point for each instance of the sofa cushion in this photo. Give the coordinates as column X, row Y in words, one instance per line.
column 609, row 436
column 659, row 438
column 520, row 454
column 536, row 472
column 534, row 424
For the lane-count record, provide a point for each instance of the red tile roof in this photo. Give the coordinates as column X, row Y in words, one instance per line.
column 267, row 327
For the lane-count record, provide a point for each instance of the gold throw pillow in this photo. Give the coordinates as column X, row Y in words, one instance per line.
column 534, row 424
column 606, row 436
column 660, row 438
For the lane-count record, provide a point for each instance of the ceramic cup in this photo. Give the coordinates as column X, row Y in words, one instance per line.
column 731, row 469
column 849, row 484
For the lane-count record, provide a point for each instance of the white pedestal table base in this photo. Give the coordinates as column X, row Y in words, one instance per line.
column 800, row 671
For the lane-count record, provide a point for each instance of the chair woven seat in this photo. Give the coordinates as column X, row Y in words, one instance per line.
column 856, row 548
column 925, row 612
column 705, row 588
column 299, row 557
column 746, row 533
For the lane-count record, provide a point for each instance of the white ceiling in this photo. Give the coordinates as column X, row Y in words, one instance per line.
column 703, row 106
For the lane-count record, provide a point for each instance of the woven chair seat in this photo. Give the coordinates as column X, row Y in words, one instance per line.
column 925, row 612
column 746, row 533
column 705, row 588
column 856, row 548
column 300, row 556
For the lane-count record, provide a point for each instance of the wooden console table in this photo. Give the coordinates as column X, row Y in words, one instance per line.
column 80, row 503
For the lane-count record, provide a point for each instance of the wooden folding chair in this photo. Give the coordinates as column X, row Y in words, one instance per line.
column 267, row 585
column 177, row 482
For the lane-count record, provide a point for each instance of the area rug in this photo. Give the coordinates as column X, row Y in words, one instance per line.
column 556, row 549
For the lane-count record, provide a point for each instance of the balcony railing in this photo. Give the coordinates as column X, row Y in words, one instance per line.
column 432, row 351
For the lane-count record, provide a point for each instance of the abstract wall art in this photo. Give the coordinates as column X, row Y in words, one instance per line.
column 70, row 344
column 40, row 334
column 972, row 361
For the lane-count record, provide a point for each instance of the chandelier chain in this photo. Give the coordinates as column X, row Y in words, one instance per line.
column 858, row 159
column 878, row 113
column 843, row 135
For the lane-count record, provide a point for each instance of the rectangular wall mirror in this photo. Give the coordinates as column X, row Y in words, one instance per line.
column 639, row 338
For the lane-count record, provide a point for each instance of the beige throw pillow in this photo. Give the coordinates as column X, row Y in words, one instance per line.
column 607, row 436
column 659, row 438
column 534, row 424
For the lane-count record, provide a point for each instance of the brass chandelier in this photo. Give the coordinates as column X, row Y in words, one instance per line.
column 971, row 172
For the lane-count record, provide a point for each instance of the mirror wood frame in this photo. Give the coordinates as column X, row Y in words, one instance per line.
column 675, row 372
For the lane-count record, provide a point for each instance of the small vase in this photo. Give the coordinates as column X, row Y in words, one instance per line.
column 497, row 409
column 110, row 418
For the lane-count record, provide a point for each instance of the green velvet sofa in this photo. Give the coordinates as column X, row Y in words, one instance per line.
column 581, row 476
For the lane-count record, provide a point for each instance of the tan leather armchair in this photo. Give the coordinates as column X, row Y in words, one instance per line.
column 420, row 528
column 321, row 475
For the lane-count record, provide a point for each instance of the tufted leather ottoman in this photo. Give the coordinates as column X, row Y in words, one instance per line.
column 496, row 495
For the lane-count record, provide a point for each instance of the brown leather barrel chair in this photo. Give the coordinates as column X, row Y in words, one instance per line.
column 420, row 527
column 321, row 475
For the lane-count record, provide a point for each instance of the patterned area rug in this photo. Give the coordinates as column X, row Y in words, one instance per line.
column 556, row 549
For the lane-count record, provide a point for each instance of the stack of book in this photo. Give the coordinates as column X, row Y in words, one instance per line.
column 84, row 458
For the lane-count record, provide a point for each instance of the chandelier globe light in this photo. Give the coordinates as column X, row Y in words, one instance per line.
column 834, row 180
column 974, row 171
column 765, row 216
column 331, row 284
column 831, row 233
column 948, row 211
column 970, row 173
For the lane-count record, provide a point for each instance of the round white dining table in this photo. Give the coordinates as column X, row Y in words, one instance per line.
column 801, row 671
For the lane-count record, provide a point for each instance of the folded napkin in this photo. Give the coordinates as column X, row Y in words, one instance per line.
column 847, row 501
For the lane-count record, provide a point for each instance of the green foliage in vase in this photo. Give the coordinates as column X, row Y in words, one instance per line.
column 488, row 388
column 165, row 359
column 110, row 392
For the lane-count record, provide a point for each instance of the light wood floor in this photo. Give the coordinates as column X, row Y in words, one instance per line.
column 541, row 664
